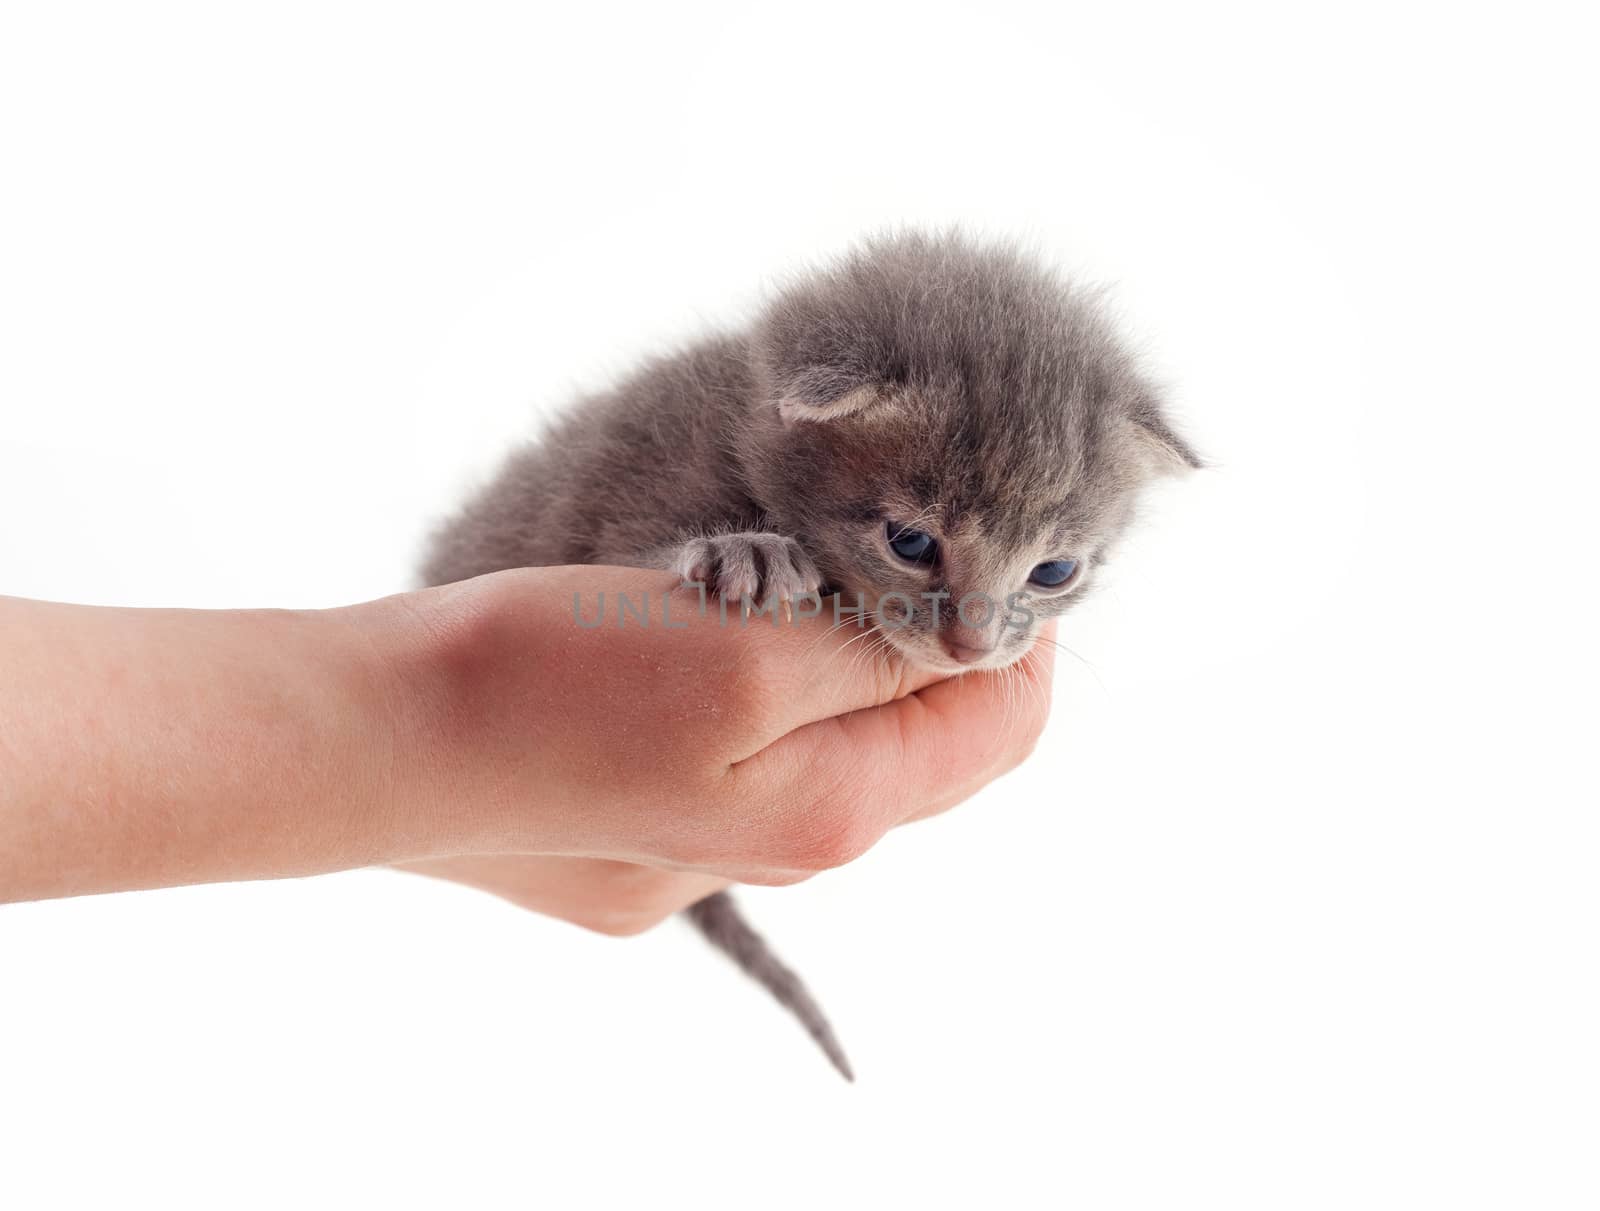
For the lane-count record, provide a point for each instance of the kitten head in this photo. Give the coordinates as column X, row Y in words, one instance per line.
column 955, row 435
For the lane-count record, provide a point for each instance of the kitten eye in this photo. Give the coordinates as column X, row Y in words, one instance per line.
column 1054, row 574
column 914, row 546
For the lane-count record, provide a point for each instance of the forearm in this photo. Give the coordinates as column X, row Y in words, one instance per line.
column 148, row 748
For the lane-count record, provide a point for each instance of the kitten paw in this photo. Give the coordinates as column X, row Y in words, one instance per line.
column 751, row 564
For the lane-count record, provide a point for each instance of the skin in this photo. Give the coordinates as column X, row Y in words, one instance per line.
column 474, row 732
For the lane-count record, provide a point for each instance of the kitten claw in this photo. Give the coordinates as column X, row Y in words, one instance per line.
column 751, row 565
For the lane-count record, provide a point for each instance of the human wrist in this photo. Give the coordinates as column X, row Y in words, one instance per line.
column 434, row 655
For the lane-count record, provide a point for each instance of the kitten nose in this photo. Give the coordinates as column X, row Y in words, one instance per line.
column 965, row 644
column 963, row 653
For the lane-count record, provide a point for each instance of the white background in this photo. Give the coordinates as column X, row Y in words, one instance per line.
column 1295, row 906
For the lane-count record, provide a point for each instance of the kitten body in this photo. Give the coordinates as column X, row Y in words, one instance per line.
column 925, row 420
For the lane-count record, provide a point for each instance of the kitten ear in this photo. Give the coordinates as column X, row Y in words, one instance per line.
column 1165, row 453
column 794, row 406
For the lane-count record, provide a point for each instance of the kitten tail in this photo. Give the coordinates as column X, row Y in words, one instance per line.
column 719, row 919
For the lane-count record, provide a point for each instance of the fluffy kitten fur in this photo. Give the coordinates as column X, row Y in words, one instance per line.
column 925, row 379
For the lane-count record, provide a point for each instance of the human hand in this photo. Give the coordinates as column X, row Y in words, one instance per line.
column 759, row 753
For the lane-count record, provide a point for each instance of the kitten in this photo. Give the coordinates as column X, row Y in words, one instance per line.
column 928, row 416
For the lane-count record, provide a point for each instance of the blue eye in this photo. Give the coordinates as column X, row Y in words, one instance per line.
column 1054, row 574
column 912, row 545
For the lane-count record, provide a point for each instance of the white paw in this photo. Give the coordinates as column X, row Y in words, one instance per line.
column 751, row 564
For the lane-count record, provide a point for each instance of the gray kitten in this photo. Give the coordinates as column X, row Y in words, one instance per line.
column 928, row 416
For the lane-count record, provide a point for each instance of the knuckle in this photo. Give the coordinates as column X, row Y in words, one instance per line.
column 827, row 838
